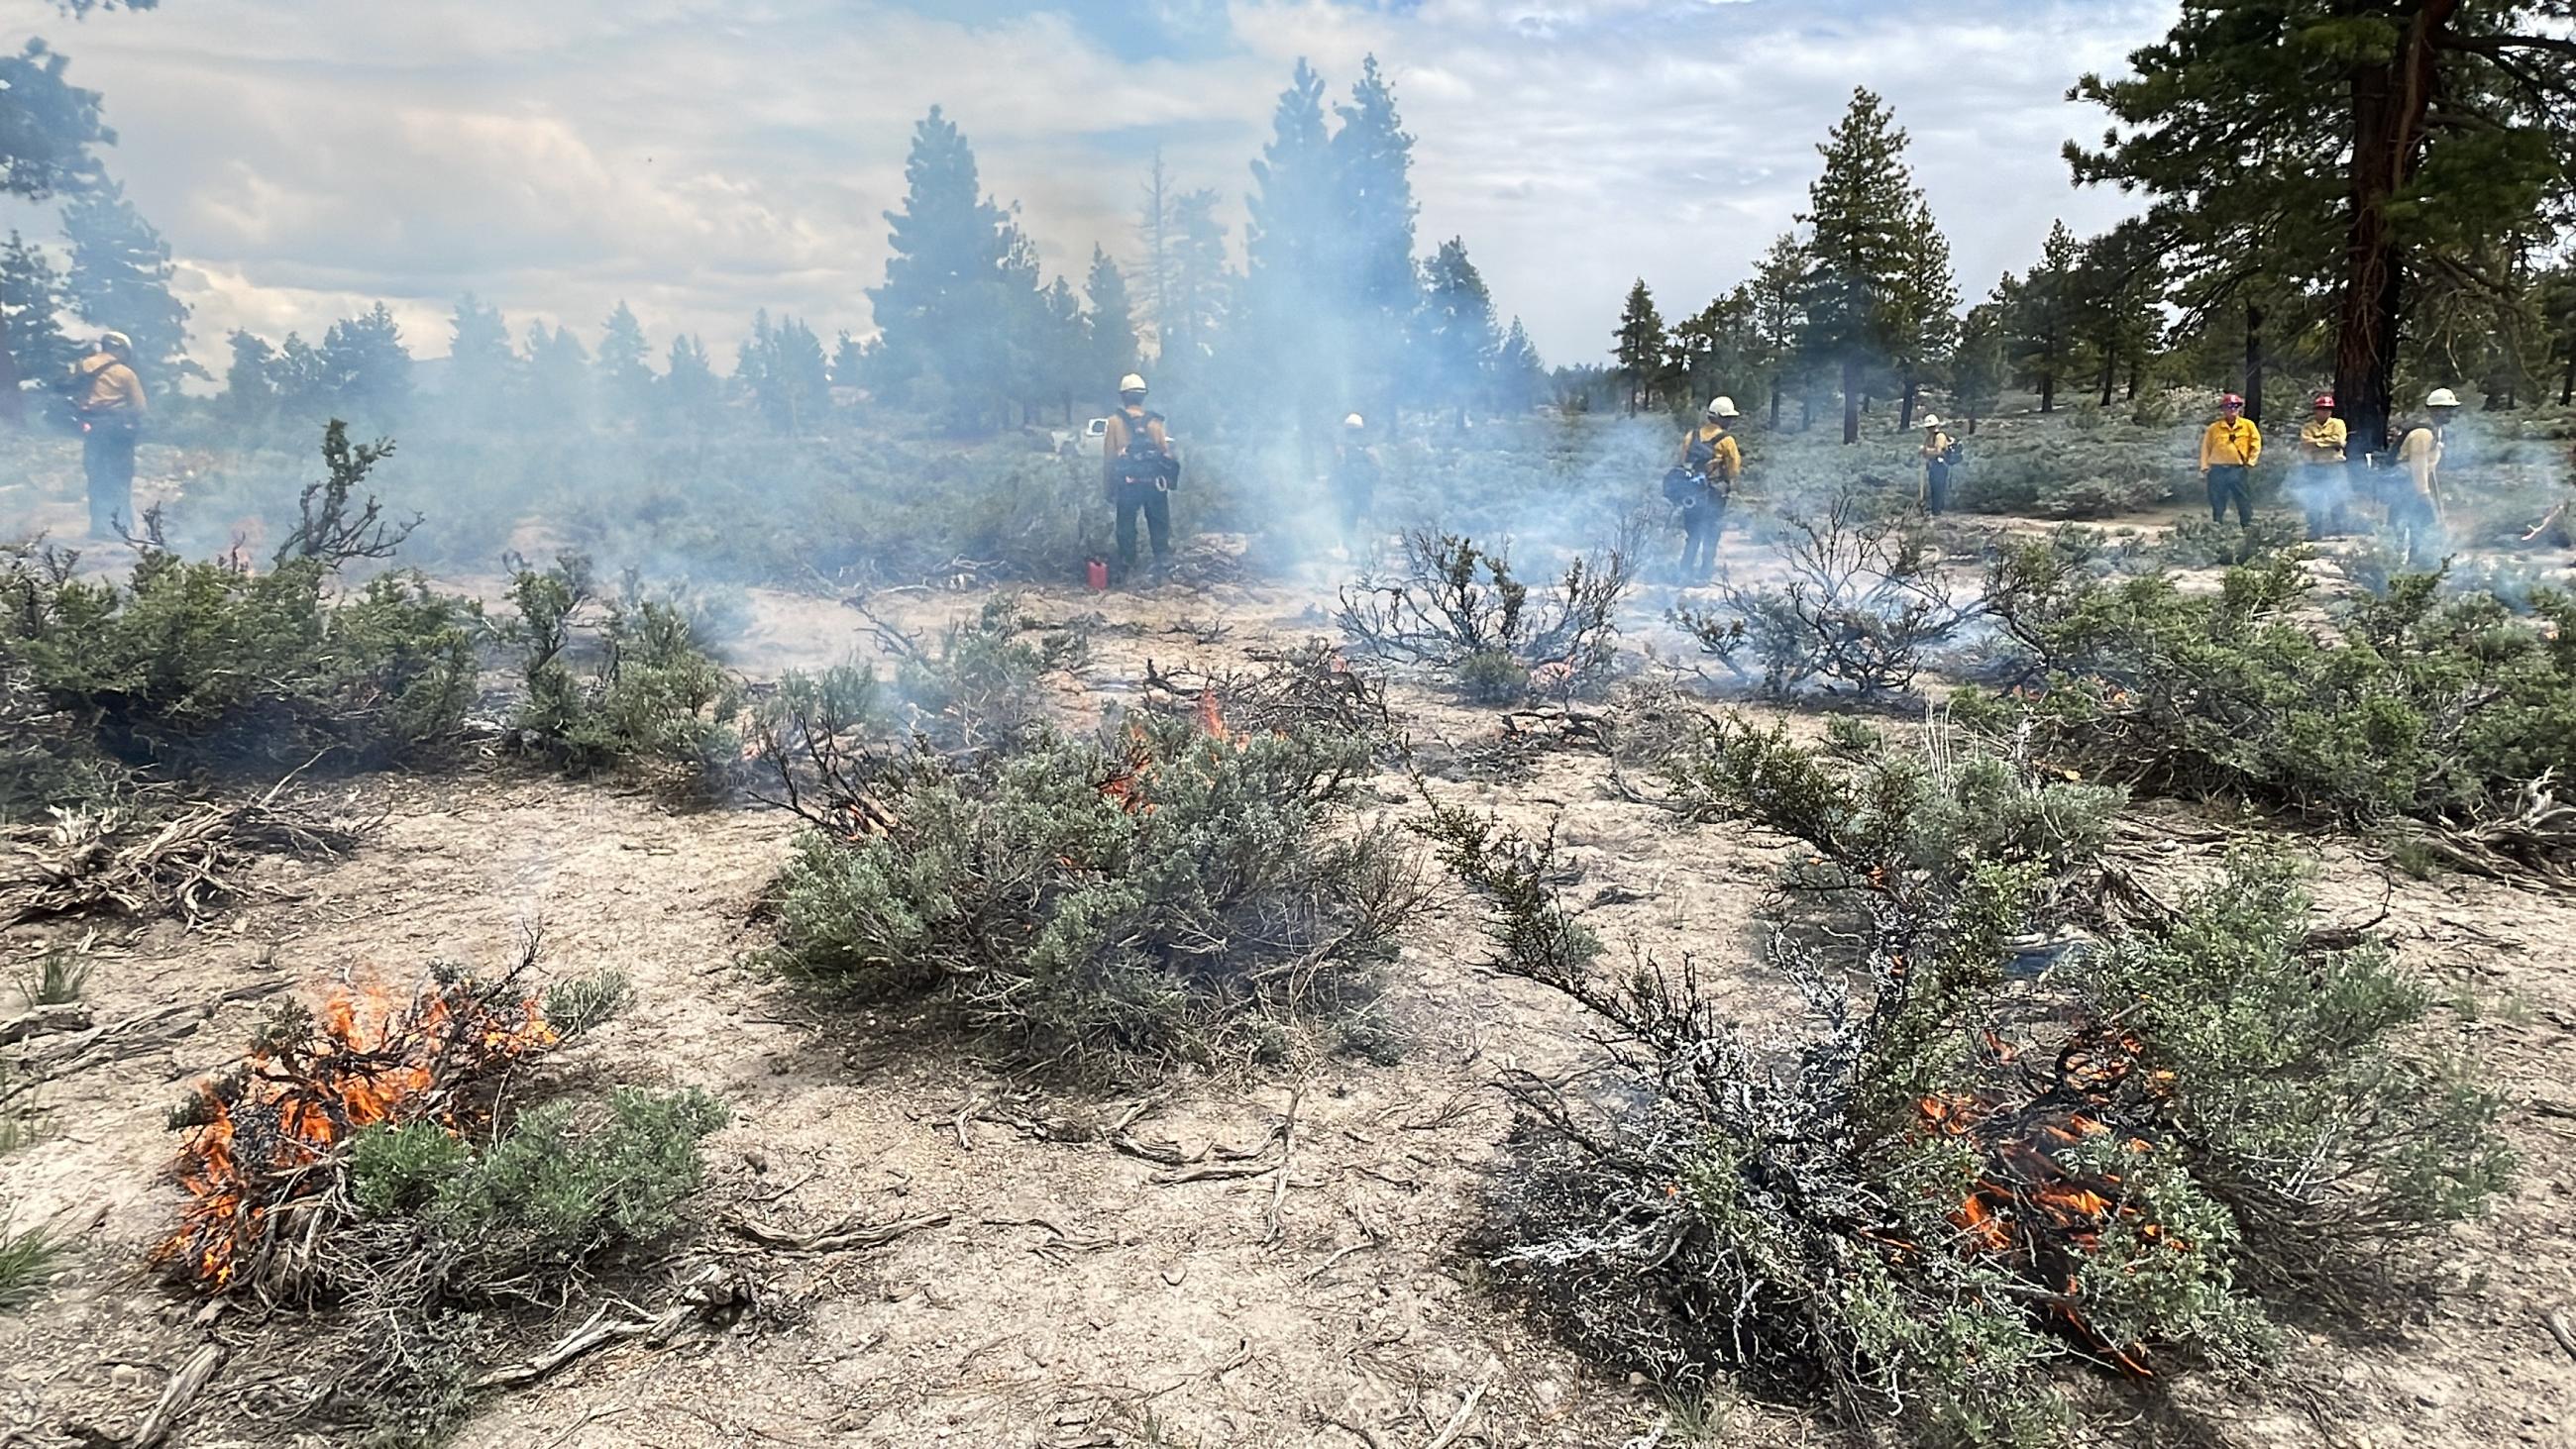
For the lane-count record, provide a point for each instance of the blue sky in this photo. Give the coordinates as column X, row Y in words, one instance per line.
column 702, row 158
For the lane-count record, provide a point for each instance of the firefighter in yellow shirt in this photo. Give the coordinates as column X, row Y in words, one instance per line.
column 2228, row 452
column 2323, row 483
column 1138, row 468
column 107, row 400
column 2418, row 510
column 1710, row 464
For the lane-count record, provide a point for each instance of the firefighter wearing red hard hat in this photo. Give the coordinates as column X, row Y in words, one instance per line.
column 2229, row 449
column 107, row 399
column 1138, row 469
column 2322, row 481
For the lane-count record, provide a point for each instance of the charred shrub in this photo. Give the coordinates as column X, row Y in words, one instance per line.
column 1108, row 909
column 980, row 683
column 1458, row 608
column 1979, row 1159
column 1863, row 602
column 651, row 697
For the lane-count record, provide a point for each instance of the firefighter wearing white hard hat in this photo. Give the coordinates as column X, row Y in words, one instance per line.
column 1138, row 469
column 107, row 399
column 2420, row 513
column 1938, row 452
column 1354, row 487
column 1701, row 483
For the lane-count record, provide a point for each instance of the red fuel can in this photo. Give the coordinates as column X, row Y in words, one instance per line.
column 1095, row 574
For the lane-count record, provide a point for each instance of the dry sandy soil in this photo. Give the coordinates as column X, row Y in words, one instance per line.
column 1070, row 1299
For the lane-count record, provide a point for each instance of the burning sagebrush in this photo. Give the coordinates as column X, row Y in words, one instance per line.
column 1983, row 1159
column 265, row 1158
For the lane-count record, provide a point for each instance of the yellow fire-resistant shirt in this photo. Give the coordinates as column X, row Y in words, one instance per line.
column 101, row 384
column 2322, row 442
column 1935, row 445
column 1728, row 464
column 2230, row 441
column 2421, row 452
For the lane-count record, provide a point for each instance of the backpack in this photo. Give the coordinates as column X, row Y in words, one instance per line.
column 1701, row 452
column 1953, row 455
column 1142, row 461
column 1683, row 485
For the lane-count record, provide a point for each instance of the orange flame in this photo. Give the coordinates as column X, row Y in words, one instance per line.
column 369, row 1062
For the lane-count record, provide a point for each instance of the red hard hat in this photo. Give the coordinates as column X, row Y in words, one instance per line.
column 2231, row 400
column 2325, row 400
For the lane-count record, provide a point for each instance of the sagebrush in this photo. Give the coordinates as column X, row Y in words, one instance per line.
column 1108, row 908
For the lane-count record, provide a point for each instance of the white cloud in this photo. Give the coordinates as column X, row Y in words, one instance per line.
column 701, row 159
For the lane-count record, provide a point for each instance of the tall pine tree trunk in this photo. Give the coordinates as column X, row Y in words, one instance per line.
column 1775, row 390
column 13, row 409
column 2389, row 103
column 2110, row 376
column 1905, row 410
column 2137, row 367
column 2253, row 362
column 2567, row 385
column 1851, row 400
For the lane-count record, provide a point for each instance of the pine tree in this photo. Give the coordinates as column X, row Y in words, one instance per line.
column 1779, row 316
column 798, row 397
column 1158, row 232
column 1977, row 371
column 303, row 381
column 32, row 298
column 849, row 360
column 120, row 280
column 2362, row 142
column 47, row 129
column 1201, row 285
column 1291, row 284
column 1922, row 314
column 559, row 396
column 365, row 371
column 1454, row 336
column 483, row 371
column 1863, row 248
column 2041, row 320
column 1070, row 358
column 2118, row 290
column 692, row 396
column 1378, row 288
column 625, row 380
column 251, row 381
column 953, row 297
column 1520, row 378
column 1640, row 347
column 1110, row 330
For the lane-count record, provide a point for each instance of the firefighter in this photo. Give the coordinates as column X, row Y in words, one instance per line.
column 2228, row 452
column 1139, row 468
column 1354, row 482
column 2418, row 510
column 1939, row 451
column 107, row 401
column 2323, row 484
column 1712, row 463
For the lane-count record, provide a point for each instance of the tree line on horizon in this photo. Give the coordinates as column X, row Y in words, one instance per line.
column 2258, row 258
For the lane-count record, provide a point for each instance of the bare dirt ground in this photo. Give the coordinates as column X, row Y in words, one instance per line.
column 1071, row 1299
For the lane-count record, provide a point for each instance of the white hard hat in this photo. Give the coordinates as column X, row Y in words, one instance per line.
column 1722, row 407
column 1931, row 421
column 1355, row 421
column 1131, row 383
column 2442, row 397
column 117, row 340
